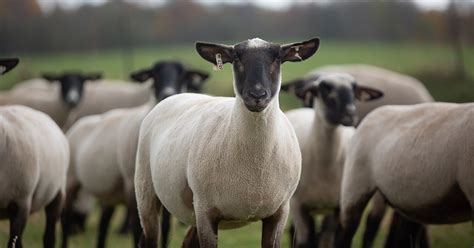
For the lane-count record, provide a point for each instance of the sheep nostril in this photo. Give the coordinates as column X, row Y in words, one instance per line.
column 258, row 94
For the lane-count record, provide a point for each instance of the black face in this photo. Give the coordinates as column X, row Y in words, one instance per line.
column 72, row 85
column 171, row 78
column 256, row 66
column 257, row 74
column 7, row 64
column 336, row 95
column 339, row 103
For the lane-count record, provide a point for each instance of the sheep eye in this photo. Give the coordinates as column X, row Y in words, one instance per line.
column 325, row 86
column 236, row 58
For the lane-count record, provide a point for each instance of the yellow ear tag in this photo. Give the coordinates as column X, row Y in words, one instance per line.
column 219, row 66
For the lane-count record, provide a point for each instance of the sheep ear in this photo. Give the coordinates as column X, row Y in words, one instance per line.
column 308, row 94
column 299, row 51
column 363, row 93
column 195, row 79
column 295, row 87
column 93, row 76
column 50, row 77
column 141, row 76
column 7, row 64
column 208, row 51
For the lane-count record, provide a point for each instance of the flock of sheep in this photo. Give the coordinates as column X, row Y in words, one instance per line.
column 223, row 162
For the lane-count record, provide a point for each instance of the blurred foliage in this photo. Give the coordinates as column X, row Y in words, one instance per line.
column 23, row 28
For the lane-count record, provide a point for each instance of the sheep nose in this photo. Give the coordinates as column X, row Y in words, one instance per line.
column 351, row 109
column 258, row 94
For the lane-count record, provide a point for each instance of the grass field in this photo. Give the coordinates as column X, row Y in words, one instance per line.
column 429, row 62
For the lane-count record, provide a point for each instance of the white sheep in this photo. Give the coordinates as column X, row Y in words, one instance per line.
column 323, row 134
column 399, row 89
column 222, row 162
column 418, row 157
column 95, row 151
column 35, row 157
column 58, row 104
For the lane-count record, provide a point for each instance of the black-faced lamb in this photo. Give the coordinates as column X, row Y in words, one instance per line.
column 95, row 152
column 323, row 134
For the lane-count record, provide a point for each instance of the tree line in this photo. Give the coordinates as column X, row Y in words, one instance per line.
column 25, row 28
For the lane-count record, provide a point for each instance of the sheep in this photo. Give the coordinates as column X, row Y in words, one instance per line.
column 222, row 162
column 98, row 98
column 407, row 153
column 323, row 134
column 192, row 81
column 399, row 89
column 57, row 107
column 94, row 143
column 35, row 157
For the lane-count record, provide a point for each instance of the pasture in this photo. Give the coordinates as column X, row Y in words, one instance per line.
column 431, row 63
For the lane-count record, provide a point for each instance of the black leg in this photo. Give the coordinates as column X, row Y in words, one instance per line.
column 374, row 219
column 165, row 227
column 18, row 214
column 406, row 233
column 291, row 232
column 68, row 214
column 126, row 224
column 191, row 240
column 310, row 223
column 107, row 212
column 328, row 230
column 53, row 214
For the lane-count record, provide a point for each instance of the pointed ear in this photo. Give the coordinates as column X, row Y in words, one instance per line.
column 141, row 76
column 365, row 94
column 307, row 95
column 299, row 51
column 7, row 64
column 195, row 79
column 295, row 87
column 93, row 76
column 208, row 52
column 50, row 77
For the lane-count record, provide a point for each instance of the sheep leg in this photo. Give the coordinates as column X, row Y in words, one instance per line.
column 406, row 233
column 148, row 204
column 126, row 224
column 191, row 239
column 274, row 226
column 207, row 226
column 374, row 219
column 68, row 213
column 107, row 213
column 328, row 230
column 165, row 227
column 355, row 195
column 304, row 227
column 18, row 213
column 53, row 214
column 132, row 215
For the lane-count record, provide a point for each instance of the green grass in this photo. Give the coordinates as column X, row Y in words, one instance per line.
column 460, row 235
column 409, row 58
column 429, row 62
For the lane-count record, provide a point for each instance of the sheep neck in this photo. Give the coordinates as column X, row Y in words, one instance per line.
column 324, row 138
column 253, row 131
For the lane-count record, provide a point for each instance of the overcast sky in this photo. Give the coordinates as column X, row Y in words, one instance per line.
column 272, row 4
